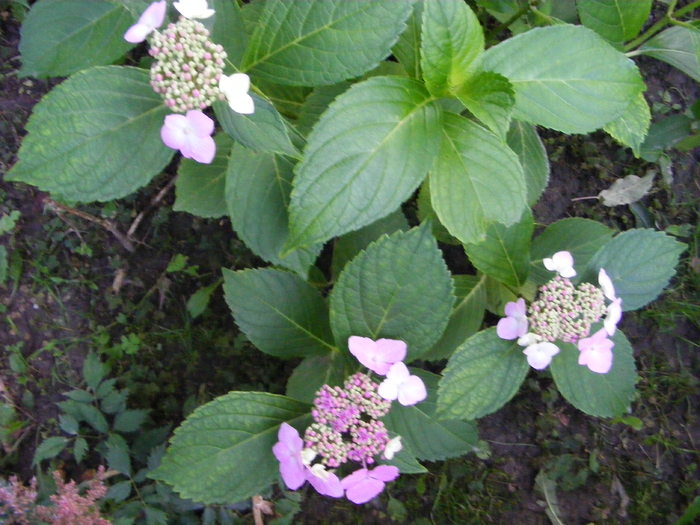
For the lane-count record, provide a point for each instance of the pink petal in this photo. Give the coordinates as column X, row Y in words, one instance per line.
column 384, row 473
column 154, row 14
column 203, row 149
column 288, row 435
column 398, row 372
column 508, row 328
column 412, row 391
column 199, row 123
column 540, row 355
column 137, row 33
column 354, row 478
column 330, row 486
column 173, row 131
column 364, row 491
column 293, row 473
column 392, row 350
column 516, row 308
column 598, row 360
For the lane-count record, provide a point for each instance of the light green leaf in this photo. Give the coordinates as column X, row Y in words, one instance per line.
column 313, row 372
column 665, row 134
column 582, row 85
column 93, row 370
column 228, row 29
column 199, row 188
column 398, row 288
column 615, row 20
column 490, row 98
column 631, row 128
column 61, row 37
column 505, row 252
column 223, row 450
column 367, row 154
column 476, row 179
column 95, row 137
column 582, row 237
column 627, row 190
column 199, row 300
column 523, row 139
column 49, row 448
column 280, row 313
column 678, row 46
column 481, row 376
column 602, row 395
column 130, row 420
column 308, row 43
column 425, row 436
column 407, row 48
column 257, row 193
column 640, row 263
column 451, row 42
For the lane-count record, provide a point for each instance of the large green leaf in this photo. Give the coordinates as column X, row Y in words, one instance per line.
column 640, row 263
column 367, row 154
column 526, row 143
column 308, row 43
column 398, row 288
column 631, row 128
column 566, row 77
column 199, row 188
column 678, row 46
column 61, row 37
column 505, row 252
column 602, row 395
column 407, row 48
column 426, row 436
column 615, row 20
column 228, row 29
column 451, row 42
column 481, row 376
column 257, row 195
column 477, row 179
column 490, row 98
column 280, row 313
column 95, row 137
column 316, row 103
column 313, row 372
column 223, row 450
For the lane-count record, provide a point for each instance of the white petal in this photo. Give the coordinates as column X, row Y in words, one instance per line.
column 242, row 104
column 613, row 316
column 388, row 389
column 528, row 339
column 193, row 8
column 392, row 447
column 606, row 284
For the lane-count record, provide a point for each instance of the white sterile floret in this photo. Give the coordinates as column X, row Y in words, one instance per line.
column 529, row 339
column 392, row 447
column 193, row 8
column 606, row 285
column 236, row 87
column 562, row 263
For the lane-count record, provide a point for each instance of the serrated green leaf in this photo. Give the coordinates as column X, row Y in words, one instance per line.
column 490, row 98
column 631, row 128
column 307, row 43
column 615, row 20
column 287, row 99
column 451, row 42
column 425, row 436
column 505, row 252
column 477, row 179
column 406, row 462
column 280, row 313
column 665, row 134
column 199, row 300
column 105, row 388
column 228, row 29
column 602, row 395
column 398, row 288
column 61, row 37
column 80, row 448
column 93, row 417
column 119, row 491
column 68, row 424
column 582, row 85
column 313, row 372
column 582, row 237
column 481, row 376
column 407, row 48
column 223, row 450
column 199, row 188
column 130, row 420
column 94, row 370
column 95, row 137
column 81, row 396
column 678, row 46
column 114, row 402
column 49, row 448
column 640, row 263
column 317, row 102
column 118, row 459
column 368, row 153
column 258, row 185
column 426, row 213
column 523, row 139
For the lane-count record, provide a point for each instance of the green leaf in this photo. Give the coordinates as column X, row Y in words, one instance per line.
column 199, row 300
column 130, row 420
column 223, row 450
column 307, row 43
column 490, row 98
column 119, row 491
column 368, row 153
column 95, row 137
column 602, row 395
column 631, row 128
column 398, row 288
column 665, row 134
column 505, row 252
column 3, row 265
column 258, row 185
column 451, row 42
column 523, row 139
column 466, row 316
column 199, row 188
column 640, row 263
column 582, row 85
column 582, row 237
column 615, row 20
column 80, row 448
column 481, row 376
column 477, row 179
column 425, row 436
column 61, row 37
column 314, row 372
column 678, row 46
column 118, row 458
column 407, row 48
column 94, row 370
column 93, row 417
column 317, row 102
column 49, row 448
column 68, row 424
column 264, row 130
column 406, row 462
column 228, row 29
column 280, row 313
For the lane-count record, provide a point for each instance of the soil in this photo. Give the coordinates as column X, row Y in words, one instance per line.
column 613, row 473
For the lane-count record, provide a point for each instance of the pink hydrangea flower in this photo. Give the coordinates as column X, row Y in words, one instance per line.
column 515, row 324
column 363, row 484
column 150, row 20
column 562, row 263
column 377, row 355
column 539, row 355
column 596, row 352
column 191, row 134
column 400, row 384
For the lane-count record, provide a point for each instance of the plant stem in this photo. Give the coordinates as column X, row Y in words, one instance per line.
column 669, row 18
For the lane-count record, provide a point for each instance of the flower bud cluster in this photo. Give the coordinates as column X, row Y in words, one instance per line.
column 187, row 66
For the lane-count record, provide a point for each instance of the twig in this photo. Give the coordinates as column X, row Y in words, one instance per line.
column 154, row 202
column 260, row 507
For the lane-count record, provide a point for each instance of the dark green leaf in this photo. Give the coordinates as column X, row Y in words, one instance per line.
column 80, row 447
column 93, row 370
column 68, row 424
column 199, row 300
column 130, row 420
column 314, row 372
column 49, row 448
column 526, row 143
column 228, row 29
column 119, row 491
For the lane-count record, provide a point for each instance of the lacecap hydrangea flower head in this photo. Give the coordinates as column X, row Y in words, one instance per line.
column 564, row 312
column 347, row 426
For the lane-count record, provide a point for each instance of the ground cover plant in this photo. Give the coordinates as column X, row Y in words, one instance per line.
column 383, row 159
